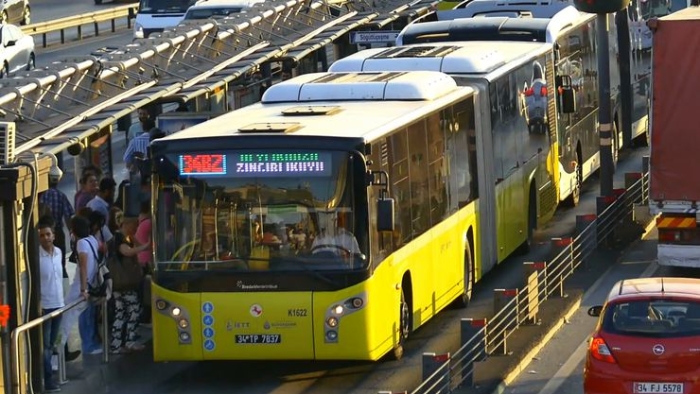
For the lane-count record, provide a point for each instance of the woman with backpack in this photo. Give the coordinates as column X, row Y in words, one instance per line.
column 86, row 247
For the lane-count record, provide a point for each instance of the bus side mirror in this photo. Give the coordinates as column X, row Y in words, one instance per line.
column 385, row 214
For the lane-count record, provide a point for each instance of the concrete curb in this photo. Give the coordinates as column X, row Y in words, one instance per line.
column 527, row 357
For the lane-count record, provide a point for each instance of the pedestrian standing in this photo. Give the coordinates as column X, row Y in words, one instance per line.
column 51, row 273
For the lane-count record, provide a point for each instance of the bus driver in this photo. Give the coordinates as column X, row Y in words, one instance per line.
column 337, row 239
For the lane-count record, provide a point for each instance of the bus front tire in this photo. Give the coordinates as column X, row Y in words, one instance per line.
column 404, row 326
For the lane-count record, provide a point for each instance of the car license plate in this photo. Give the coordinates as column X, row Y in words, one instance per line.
column 644, row 388
column 263, row 339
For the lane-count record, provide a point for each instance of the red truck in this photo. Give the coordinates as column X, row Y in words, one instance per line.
column 675, row 132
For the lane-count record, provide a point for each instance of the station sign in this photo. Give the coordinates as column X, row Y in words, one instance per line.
column 374, row 37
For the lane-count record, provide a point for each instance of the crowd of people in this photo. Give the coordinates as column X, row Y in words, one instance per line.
column 91, row 231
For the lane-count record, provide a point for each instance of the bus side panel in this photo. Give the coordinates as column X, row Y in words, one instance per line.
column 166, row 332
column 448, row 256
column 417, row 258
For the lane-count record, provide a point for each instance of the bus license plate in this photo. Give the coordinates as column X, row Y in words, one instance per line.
column 647, row 388
column 259, row 338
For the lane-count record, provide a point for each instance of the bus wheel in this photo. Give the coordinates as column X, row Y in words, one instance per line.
column 575, row 196
column 463, row 300
column 404, row 326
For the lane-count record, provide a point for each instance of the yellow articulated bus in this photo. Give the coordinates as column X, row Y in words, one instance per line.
column 330, row 220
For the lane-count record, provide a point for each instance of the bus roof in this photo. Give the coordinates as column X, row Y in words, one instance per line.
column 460, row 25
column 454, row 58
column 352, row 105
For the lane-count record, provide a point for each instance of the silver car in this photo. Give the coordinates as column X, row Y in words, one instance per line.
column 15, row 11
column 16, row 50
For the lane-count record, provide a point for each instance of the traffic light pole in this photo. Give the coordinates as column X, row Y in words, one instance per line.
column 604, row 112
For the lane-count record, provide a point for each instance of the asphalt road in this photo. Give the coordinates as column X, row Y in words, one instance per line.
column 46, row 10
column 558, row 367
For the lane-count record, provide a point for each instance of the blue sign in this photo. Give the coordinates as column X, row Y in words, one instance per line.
column 208, row 320
column 207, row 307
column 209, row 345
column 208, row 332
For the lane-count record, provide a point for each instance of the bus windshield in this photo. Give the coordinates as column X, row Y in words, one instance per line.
column 259, row 210
column 165, row 6
column 654, row 8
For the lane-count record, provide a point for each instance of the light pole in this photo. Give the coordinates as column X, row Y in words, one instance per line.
column 602, row 8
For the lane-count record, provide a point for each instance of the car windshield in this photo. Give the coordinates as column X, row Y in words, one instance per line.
column 165, row 6
column 261, row 210
column 663, row 318
column 205, row 13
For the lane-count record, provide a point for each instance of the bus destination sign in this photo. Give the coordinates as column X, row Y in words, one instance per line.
column 203, row 164
column 270, row 164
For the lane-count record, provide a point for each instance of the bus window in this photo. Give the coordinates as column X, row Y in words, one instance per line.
column 418, row 175
column 461, row 148
column 400, row 189
column 437, row 172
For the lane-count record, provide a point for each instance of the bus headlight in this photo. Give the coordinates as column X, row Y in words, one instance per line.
column 161, row 305
column 357, row 302
column 183, row 323
column 332, row 336
column 338, row 309
column 176, row 311
column 184, row 337
column 332, row 322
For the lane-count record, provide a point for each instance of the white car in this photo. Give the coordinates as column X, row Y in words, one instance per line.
column 16, row 50
column 15, row 11
column 219, row 8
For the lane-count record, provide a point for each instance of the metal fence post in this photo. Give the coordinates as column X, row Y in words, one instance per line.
column 535, row 285
column 559, row 245
column 586, row 234
column 432, row 362
column 645, row 180
column 604, row 234
column 472, row 330
column 501, row 298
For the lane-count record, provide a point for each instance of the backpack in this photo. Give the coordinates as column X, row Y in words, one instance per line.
column 101, row 285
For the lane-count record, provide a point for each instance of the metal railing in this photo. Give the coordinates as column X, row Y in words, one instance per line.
column 513, row 308
column 127, row 11
column 16, row 333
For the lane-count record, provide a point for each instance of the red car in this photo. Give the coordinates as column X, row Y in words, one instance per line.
column 647, row 339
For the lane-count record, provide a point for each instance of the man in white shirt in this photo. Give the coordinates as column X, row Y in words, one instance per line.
column 337, row 240
column 51, row 272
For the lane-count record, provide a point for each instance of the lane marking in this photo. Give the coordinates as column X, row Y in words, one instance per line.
column 578, row 355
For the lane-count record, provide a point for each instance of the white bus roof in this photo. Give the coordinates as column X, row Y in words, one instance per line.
column 467, row 57
column 353, row 105
column 461, row 25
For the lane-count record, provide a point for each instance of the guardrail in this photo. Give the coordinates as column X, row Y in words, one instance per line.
column 15, row 335
column 78, row 21
column 481, row 338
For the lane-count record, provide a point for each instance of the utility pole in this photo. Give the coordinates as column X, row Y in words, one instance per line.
column 604, row 111
column 602, row 8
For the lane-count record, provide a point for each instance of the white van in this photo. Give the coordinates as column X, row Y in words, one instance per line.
column 219, row 8
column 154, row 16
